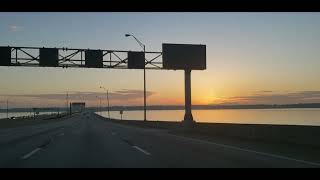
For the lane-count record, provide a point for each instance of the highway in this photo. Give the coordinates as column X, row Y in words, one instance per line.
column 88, row 141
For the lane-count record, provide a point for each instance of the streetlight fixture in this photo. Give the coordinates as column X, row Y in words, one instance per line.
column 144, row 75
column 101, row 87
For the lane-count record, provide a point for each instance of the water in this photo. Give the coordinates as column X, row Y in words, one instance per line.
column 3, row 115
column 303, row 116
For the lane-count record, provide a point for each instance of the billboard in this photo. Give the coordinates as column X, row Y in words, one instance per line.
column 5, row 56
column 136, row 60
column 49, row 57
column 94, row 59
column 184, row 56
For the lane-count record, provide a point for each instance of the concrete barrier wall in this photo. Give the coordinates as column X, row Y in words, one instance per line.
column 304, row 135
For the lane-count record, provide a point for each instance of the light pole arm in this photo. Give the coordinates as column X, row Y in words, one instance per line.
column 103, row 88
column 140, row 43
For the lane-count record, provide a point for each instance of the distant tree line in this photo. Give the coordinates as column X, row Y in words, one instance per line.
column 176, row 107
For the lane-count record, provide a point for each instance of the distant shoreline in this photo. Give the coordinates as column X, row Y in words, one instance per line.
column 177, row 107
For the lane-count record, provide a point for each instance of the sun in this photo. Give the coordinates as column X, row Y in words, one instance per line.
column 209, row 98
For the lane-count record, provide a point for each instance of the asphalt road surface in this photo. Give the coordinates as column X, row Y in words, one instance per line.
column 87, row 141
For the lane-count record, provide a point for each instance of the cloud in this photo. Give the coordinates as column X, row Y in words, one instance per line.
column 15, row 28
column 277, row 98
column 264, row 91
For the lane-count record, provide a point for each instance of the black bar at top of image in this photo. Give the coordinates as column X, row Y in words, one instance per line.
column 158, row 5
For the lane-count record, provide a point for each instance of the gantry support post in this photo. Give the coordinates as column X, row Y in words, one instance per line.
column 188, row 118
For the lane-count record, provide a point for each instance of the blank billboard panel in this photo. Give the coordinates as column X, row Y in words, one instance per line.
column 94, row 58
column 184, row 56
column 5, row 56
column 49, row 57
column 136, row 60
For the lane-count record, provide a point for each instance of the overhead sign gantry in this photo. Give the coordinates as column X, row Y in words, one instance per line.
column 185, row 57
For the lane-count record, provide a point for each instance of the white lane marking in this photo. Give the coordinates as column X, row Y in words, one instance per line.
column 141, row 150
column 31, row 153
column 113, row 133
column 250, row 151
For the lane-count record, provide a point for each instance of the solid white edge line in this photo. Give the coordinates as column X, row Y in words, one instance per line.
column 250, row 151
column 31, row 153
column 141, row 150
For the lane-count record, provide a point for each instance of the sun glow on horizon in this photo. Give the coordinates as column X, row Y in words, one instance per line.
column 252, row 58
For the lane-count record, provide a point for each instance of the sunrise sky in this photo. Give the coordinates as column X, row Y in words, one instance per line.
column 252, row 58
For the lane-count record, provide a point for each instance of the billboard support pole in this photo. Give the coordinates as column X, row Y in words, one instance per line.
column 188, row 118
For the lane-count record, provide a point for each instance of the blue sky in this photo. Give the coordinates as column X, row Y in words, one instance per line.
column 246, row 53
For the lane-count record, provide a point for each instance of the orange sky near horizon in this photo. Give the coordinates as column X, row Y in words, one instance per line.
column 252, row 58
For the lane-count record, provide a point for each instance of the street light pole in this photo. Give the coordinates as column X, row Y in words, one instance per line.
column 108, row 104
column 7, row 109
column 99, row 109
column 144, row 85
column 67, row 104
column 144, row 76
column 107, row 91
